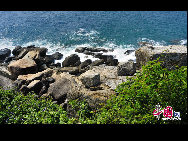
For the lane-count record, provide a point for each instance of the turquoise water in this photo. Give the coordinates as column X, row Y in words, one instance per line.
column 64, row 30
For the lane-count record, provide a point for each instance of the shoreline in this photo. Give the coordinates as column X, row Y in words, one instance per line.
column 31, row 69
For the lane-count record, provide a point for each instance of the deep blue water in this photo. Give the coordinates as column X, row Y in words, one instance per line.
column 69, row 29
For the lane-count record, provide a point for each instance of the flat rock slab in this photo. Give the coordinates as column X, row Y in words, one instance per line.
column 172, row 55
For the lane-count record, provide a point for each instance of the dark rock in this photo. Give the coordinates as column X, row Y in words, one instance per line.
column 70, row 70
column 16, row 51
column 96, row 49
column 58, row 65
column 4, row 53
column 8, row 59
column 88, row 52
column 50, row 80
column 24, row 89
column 49, row 60
column 129, row 52
column 112, row 62
column 71, row 61
column 90, row 79
column 35, row 86
column 126, row 68
column 60, row 88
column 18, row 83
column 80, row 49
column 97, row 62
column 57, row 56
column 85, row 63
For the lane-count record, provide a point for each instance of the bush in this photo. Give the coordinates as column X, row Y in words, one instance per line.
column 137, row 97
column 19, row 109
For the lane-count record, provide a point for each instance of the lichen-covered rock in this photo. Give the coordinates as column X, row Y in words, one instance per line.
column 172, row 55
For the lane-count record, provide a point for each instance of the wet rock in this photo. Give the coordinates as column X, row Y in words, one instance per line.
column 71, row 61
column 57, row 56
column 4, row 53
column 80, row 49
column 16, row 51
column 127, row 52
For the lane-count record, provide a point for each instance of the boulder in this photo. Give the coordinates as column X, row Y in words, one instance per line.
column 70, row 70
column 4, row 53
column 20, row 52
column 127, row 52
column 71, row 61
column 5, row 72
column 16, row 51
column 80, row 49
column 57, row 56
column 97, row 62
column 126, row 68
column 22, row 66
column 35, row 86
column 63, row 87
column 90, row 79
column 6, row 83
column 172, row 55
column 36, row 76
column 85, row 63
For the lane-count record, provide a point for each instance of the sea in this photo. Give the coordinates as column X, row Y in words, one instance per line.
column 63, row 31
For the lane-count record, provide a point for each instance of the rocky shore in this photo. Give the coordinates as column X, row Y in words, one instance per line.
column 31, row 69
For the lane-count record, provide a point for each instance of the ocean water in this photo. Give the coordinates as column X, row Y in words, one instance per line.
column 63, row 31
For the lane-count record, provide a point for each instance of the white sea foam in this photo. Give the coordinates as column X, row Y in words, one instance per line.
column 183, row 42
column 7, row 43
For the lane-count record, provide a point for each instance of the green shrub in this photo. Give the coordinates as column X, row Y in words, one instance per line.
column 137, row 97
column 19, row 109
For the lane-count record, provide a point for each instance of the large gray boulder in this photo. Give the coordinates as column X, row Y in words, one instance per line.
column 126, row 68
column 172, row 55
column 71, row 61
column 90, row 79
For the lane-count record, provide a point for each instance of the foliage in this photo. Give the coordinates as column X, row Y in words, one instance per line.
column 137, row 97
column 19, row 109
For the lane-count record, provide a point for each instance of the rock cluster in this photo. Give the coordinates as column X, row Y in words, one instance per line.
column 30, row 69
